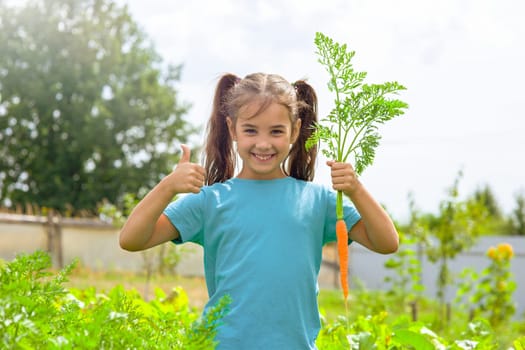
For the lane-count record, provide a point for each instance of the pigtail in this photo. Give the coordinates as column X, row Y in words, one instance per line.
column 301, row 163
column 219, row 153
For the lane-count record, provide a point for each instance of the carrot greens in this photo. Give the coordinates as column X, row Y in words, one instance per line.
column 351, row 127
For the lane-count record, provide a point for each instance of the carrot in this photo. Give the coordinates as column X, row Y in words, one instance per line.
column 342, row 252
column 350, row 128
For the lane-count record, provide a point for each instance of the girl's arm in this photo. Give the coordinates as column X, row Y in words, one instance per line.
column 375, row 230
column 146, row 226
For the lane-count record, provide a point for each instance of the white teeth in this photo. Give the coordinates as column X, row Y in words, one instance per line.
column 262, row 157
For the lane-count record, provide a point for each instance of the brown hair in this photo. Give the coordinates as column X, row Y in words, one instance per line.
column 231, row 94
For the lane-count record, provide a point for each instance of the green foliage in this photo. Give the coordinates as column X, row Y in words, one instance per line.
column 377, row 322
column 405, row 280
column 486, row 196
column 87, row 108
column 351, row 127
column 117, row 215
column 519, row 344
column 490, row 292
column 496, row 223
column 455, row 229
column 37, row 312
column 379, row 333
column 518, row 215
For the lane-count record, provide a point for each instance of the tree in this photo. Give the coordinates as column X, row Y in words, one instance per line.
column 88, row 110
column 497, row 223
column 485, row 196
column 454, row 230
column 518, row 215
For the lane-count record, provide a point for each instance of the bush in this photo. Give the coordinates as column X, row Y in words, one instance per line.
column 37, row 312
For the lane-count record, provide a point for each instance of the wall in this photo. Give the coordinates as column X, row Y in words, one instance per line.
column 93, row 242
column 368, row 267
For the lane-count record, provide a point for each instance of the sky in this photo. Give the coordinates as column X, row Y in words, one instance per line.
column 460, row 60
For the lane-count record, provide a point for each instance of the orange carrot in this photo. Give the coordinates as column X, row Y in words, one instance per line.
column 342, row 251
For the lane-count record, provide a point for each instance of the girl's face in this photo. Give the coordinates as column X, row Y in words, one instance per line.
column 263, row 141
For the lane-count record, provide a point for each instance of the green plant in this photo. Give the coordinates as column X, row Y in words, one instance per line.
column 375, row 332
column 381, row 332
column 37, row 312
column 351, row 126
column 350, row 129
column 491, row 290
column 519, row 344
column 405, row 283
column 454, row 230
column 518, row 214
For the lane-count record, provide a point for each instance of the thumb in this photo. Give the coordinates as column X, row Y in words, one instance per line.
column 185, row 158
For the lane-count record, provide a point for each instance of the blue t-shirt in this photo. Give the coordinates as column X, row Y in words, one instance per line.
column 262, row 243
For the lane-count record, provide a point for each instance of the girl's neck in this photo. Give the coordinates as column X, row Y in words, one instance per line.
column 251, row 179
column 245, row 176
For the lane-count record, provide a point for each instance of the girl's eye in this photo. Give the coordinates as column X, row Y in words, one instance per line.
column 277, row 132
column 249, row 131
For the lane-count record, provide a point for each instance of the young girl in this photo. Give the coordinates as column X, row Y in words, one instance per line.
column 262, row 230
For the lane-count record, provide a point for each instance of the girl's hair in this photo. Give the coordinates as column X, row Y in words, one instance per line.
column 231, row 94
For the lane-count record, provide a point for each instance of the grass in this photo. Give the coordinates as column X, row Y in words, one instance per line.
column 331, row 301
column 104, row 281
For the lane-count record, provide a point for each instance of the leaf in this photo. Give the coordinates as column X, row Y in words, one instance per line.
column 351, row 128
column 519, row 344
column 410, row 338
column 362, row 340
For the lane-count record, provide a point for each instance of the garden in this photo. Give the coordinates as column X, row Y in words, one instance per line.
column 42, row 308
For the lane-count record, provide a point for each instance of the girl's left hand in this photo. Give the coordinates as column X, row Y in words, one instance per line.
column 344, row 177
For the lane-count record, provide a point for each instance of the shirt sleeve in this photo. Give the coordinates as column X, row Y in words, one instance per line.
column 186, row 214
column 351, row 216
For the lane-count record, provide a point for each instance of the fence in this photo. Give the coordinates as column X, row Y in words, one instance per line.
column 95, row 244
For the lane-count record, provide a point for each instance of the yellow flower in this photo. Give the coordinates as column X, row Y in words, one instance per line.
column 491, row 253
column 505, row 250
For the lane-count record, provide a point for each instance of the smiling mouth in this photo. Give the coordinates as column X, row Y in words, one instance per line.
column 263, row 157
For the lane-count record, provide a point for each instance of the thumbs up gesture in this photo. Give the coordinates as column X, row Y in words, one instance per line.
column 186, row 153
column 186, row 177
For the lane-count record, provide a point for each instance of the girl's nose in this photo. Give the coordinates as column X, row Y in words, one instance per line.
column 262, row 143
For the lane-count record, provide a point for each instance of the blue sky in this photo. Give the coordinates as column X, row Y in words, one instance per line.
column 460, row 60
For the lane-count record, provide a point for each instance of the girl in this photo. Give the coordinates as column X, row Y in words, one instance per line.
column 262, row 230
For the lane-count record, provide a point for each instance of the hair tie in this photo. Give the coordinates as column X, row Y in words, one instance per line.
column 295, row 87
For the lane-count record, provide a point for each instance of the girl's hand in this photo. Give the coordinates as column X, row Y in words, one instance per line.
column 344, row 177
column 186, row 177
column 375, row 230
column 146, row 227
